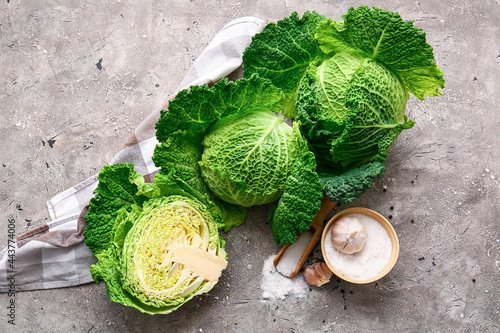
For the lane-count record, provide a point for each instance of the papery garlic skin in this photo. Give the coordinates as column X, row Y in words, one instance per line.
column 348, row 235
column 318, row 274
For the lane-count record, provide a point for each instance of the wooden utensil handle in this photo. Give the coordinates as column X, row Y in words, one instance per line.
column 316, row 228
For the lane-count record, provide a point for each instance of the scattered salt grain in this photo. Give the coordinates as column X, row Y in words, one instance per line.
column 289, row 260
column 276, row 286
column 371, row 260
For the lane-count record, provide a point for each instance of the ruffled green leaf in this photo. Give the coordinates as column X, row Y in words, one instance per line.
column 348, row 186
column 180, row 154
column 282, row 52
column 301, row 198
column 117, row 189
column 385, row 37
column 193, row 111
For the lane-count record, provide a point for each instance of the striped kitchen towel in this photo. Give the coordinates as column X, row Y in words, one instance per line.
column 54, row 255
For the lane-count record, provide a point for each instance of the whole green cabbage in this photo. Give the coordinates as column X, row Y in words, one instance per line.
column 247, row 158
column 348, row 83
column 358, row 109
column 231, row 138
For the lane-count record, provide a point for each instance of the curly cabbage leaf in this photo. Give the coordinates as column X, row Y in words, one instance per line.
column 346, row 187
column 194, row 110
column 384, row 36
column 180, row 155
column 159, row 253
column 117, row 191
column 301, row 198
column 282, row 53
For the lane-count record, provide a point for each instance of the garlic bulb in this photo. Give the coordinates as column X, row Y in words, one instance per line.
column 318, row 274
column 348, row 235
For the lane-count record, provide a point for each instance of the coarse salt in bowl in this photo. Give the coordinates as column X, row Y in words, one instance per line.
column 375, row 260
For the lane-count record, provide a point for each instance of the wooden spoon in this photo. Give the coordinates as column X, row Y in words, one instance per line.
column 316, row 228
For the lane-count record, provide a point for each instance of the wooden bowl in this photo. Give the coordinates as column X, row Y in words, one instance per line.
column 388, row 228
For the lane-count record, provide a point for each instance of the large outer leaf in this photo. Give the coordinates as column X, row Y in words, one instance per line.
column 193, row 111
column 383, row 36
column 180, row 154
column 117, row 190
column 348, row 186
column 301, row 198
column 283, row 51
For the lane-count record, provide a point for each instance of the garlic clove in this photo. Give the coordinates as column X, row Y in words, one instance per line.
column 318, row 274
column 348, row 235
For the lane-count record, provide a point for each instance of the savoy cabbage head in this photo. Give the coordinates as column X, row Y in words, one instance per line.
column 348, row 83
column 231, row 138
column 247, row 157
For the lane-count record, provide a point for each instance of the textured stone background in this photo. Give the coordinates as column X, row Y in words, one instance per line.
column 78, row 76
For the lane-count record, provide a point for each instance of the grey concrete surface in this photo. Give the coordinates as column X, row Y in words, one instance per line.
column 82, row 74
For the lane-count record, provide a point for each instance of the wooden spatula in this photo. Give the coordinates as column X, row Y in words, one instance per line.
column 316, row 229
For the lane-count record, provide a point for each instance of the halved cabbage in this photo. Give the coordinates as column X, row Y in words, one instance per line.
column 171, row 253
column 157, row 244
